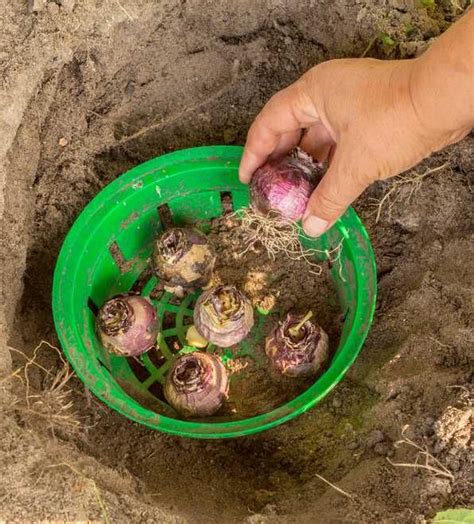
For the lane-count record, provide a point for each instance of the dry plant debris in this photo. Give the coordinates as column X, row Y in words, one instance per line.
column 395, row 192
column 53, row 404
column 430, row 463
column 280, row 236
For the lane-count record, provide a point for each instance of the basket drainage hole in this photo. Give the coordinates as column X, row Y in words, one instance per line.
column 156, row 389
column 168, row 320
column 187, row 321
column 119, row 258
column 92, row 306
column 166, row 218
column 138, row 369
column 156, row 357
column 174, row 344
column 142, row 279
column 226, row 201
column 157, row 292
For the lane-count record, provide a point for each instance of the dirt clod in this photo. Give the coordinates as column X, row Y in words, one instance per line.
column 453, row 427
column 374, row 437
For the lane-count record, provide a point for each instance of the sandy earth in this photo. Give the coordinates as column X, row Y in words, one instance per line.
column 91, row 88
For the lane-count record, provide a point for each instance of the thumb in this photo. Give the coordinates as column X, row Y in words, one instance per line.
column 339, row 187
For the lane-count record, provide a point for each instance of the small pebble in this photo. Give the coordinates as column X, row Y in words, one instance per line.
column 36, row 5
column 437, row 487
column 353, row 445
column 63, row 142
column 67, row 5
column 437, row 245
column 361, row 14
column 336, row 403
column 53, row 8
column 270, row 509
column 130, row 88
column 454, row 464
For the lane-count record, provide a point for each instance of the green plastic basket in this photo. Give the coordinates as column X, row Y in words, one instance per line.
column 106, row 252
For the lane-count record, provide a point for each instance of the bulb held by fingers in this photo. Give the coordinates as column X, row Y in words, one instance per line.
column 283, row 187
column 279, row 194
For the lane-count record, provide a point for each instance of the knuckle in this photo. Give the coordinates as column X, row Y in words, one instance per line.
column 365, row 177
column 366, row 170
column 327, row 203
column 275, row 101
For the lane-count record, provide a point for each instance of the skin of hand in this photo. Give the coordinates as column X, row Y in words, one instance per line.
column 370, row 119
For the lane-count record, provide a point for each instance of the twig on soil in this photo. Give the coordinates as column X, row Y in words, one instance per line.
column 438, row 342
column 369, row 46
column 456, row 386
column 125, row 11
column 433, row 469
column 339, row 490
column 458, row 7
column 11, row 375
column 393, row 194
column 278, row 235
column 65, row 513
column 431, row 463
column 176, row 117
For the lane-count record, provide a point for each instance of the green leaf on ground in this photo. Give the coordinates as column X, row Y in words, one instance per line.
column 386, row 39
column 454, row 516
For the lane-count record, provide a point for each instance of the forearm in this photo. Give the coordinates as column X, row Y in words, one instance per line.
column 442, row 84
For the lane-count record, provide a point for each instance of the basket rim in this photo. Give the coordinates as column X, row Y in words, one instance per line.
column 366, row 291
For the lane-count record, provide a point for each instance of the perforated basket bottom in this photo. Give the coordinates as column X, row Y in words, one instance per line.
column 176, row 315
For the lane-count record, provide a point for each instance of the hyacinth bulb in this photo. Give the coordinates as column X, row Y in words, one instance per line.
column 197, row 385
column 223, row 315
column 284, row 186
column 183, row 260
column 297, row 346
column 127, row 325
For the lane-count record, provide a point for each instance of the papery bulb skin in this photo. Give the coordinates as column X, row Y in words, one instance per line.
column 223, row 315
column 183, row 260
column 197, row 385
column 284, row 186
column 299, row 355
column 127, row 325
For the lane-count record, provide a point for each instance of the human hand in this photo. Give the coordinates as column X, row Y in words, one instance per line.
column 363, row 115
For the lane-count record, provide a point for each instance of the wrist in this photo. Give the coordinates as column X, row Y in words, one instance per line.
column 441, row 83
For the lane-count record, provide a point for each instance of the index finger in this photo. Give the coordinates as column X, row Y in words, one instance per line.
column 287, row 111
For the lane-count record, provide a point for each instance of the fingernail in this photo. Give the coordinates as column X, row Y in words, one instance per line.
column 314, row 226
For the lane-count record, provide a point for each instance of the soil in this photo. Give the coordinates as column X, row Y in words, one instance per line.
column 92, row 88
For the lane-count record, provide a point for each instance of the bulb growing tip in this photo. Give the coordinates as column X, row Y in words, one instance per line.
column 295, row 330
